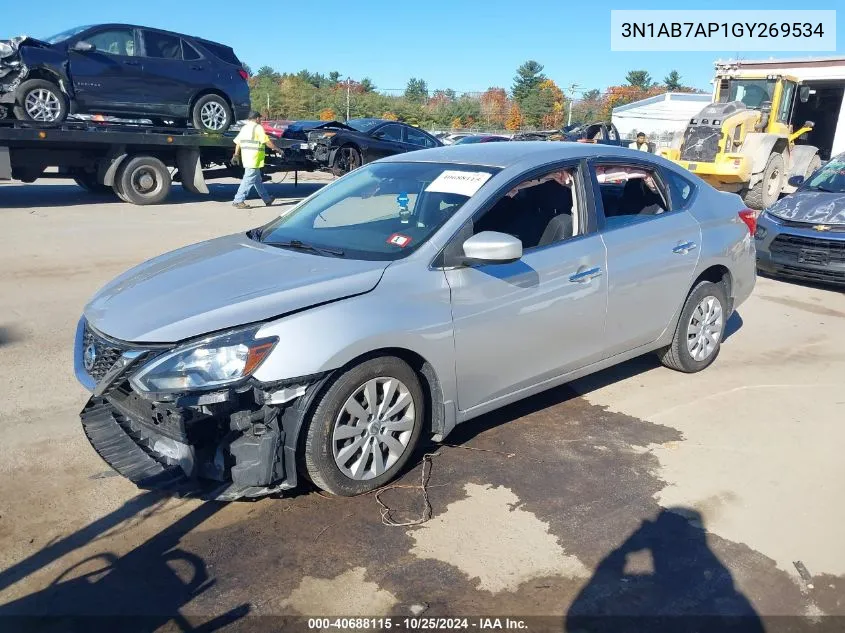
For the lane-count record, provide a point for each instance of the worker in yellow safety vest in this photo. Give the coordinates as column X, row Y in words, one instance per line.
column 249, row 149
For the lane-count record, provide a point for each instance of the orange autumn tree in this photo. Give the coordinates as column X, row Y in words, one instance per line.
column 327, row 114
column 389, row 116
column 494, row 106
column 514, row 121
column 456, row 123
column 620, row 95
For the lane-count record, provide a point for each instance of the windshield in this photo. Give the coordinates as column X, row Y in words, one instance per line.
column 752, row 92
column 363, row 125
column 382, row 211
column 831, row 178
column 65, row 35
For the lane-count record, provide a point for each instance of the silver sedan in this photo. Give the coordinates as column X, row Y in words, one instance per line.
column 411, row 295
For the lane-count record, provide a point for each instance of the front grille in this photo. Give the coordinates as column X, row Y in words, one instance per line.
column 789, row 247
column 833, row 228
column 701, row 143
column 106, row 353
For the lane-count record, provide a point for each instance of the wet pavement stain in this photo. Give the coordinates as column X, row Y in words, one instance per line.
column 582, row 474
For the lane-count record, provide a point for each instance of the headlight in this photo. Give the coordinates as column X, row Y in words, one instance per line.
column 5, row 49
column 328, row 134
column 214, row 362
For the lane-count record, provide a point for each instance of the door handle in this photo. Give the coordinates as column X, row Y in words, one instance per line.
column 196, row 68
column 584, row 276
column 132, row 63
column 684, row 248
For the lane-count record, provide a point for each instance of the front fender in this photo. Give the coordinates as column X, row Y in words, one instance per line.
column 49, row 61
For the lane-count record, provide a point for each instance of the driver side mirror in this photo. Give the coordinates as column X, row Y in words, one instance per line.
column 804, row 94
column 84, row 47
column 795, row 181
column 492, row 247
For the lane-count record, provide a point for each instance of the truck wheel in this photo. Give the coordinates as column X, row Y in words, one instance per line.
column 41, row 101
column 143, row 180
column 89, row 183
column 211, row 113
column 815, row 163
column 364, row 428
column 766, row 192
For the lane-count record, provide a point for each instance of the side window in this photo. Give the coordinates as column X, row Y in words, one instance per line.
column 680, row 190
column 189, row 53
column 612, row 133
column 162, row 45
column 785, row 107
column 629, row 193
column 539, row 211
column 114, row 42
column 415, row 137
column 391, row 133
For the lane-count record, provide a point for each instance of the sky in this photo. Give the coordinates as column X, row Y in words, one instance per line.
column 466, row 45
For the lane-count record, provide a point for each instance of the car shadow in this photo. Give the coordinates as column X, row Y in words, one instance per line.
column 37, row 195
column 664, row 577
column 733, row 325
column 141, row 590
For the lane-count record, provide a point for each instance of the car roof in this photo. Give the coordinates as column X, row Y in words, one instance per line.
column 504, row 155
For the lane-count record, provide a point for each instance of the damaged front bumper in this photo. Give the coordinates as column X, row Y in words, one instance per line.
column 13, row 71
column 227, row 444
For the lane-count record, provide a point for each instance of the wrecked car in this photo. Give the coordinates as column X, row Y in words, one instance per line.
column 123, row 70
column 412, row 294
column 342, row 147
column 802, row 236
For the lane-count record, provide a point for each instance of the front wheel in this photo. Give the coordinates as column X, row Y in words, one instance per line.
column 40, row 101
column 346, row 159
column 766, row 192
column 365, row 427
column 701, row 327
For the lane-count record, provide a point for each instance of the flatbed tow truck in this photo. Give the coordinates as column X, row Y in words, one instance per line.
column 139, row 163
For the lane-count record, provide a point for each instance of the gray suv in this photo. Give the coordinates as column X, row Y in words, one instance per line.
column 411, row 295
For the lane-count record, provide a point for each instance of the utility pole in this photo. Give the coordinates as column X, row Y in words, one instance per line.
column 572, row 89
column 268, row 104
column 348, row 84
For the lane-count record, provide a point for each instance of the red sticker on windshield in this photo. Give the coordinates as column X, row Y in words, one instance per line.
column 397, row 239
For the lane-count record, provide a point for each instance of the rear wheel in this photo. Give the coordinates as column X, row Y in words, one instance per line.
column 766, row 192
column 143, row 180
column 701, row 327
column 364, row 428
column 211, row 113
column 346, row 159
column 41, row 101
column 89, row 182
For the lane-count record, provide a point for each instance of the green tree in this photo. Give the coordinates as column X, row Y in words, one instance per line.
column 639, row 79
column 267, row 72
column 672, row 81
column 528, row 76
column 416, row 90
column 334, row 77
column 367, row 85
column 592, row 95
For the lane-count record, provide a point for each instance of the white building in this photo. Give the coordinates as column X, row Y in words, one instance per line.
column 660, row 116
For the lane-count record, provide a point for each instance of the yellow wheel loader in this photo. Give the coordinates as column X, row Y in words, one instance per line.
column 744, row 141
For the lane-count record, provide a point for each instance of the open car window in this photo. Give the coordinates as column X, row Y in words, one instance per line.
column 629, row 193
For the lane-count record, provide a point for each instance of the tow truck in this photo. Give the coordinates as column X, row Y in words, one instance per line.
column 138, row 162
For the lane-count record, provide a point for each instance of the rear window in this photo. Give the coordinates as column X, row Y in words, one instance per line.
column 189, row 52
column 162, row 45
column 223, row 52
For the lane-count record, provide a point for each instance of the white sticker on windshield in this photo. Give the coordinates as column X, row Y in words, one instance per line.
column 463, row 183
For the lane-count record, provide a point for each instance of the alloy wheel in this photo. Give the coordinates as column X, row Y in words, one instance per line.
column 213, row 115
column 373, row 429
column 42, row 105
column 704, row 330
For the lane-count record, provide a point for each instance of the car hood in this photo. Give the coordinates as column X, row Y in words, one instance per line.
column 220, row 284
column 813, row 207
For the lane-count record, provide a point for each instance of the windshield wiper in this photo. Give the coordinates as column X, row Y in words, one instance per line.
column 304, row 246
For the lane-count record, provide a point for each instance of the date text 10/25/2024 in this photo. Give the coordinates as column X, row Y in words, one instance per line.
column 418, row 624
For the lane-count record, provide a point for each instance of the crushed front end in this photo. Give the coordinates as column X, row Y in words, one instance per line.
column 222, row 443
column 13, row 71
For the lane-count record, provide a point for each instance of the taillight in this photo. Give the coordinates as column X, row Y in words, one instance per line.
column 244, row 74
column 750, row 218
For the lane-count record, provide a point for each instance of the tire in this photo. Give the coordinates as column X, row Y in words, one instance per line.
column 678, row 355
column 143, row 180
column 118, row 191
column 346, row 159
column 54, row 105
column 323, row 452
column 211, row 113
column 766, row 192
column 89, row 183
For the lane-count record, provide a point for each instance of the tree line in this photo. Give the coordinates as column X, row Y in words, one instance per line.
column 534, row 101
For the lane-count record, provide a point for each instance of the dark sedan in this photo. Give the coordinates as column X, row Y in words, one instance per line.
column 343, row 147
column 481, row 138
column 126, row 71
column 802, row 236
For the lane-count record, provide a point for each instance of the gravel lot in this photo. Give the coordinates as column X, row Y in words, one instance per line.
column 563, row 511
